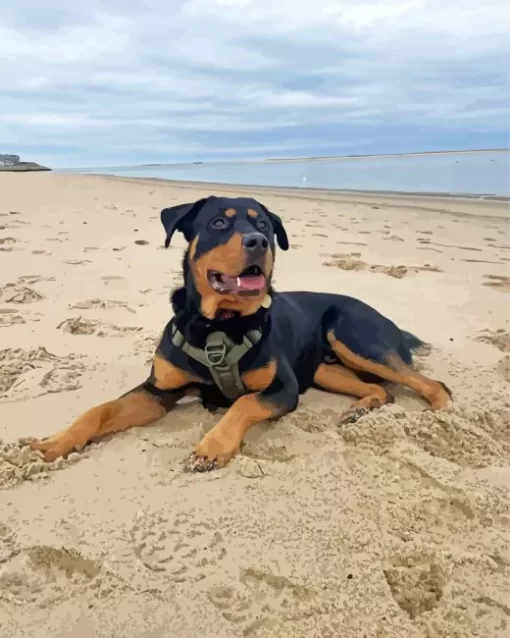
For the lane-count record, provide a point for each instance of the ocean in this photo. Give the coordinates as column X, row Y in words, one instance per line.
column 480, row 173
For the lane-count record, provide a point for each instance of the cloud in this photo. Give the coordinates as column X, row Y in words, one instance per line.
column 139, row 82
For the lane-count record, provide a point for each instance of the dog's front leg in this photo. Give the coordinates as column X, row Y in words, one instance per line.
column 224, row 441
column 143, row 405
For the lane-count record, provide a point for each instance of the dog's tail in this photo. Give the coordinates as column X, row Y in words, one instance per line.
column 415, row 344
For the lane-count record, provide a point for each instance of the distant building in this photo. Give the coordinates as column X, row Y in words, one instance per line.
column 9, row 160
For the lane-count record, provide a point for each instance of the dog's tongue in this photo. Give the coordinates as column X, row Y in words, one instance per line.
column 253, row 282
column 248, row 283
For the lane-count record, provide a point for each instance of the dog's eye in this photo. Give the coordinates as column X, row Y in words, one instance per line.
column 219, row 223
column 262, row 225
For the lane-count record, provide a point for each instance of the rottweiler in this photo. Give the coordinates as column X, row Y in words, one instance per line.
column 235, row 342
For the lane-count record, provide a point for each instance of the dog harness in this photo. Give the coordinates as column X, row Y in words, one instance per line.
column 222, row 356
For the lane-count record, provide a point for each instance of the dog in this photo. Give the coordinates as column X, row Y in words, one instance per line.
column 235, row 342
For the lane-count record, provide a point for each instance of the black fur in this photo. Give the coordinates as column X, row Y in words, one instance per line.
column 294, row 327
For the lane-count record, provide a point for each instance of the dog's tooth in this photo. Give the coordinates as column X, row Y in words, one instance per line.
column 239, row 282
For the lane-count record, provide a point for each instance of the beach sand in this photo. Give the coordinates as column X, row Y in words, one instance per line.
column 396, row 525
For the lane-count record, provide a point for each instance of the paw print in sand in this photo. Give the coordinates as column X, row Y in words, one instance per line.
column 180, row 552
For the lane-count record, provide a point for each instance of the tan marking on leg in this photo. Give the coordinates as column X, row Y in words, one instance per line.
column 135, row 409
column 169, row 377
column 224, row 441
column 336, row 378
column 260, row 379
column 396, row 371
column 139, row 408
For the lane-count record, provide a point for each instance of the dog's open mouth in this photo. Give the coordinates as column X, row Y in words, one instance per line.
column 251, row 281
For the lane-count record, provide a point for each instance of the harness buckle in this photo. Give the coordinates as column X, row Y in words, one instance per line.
column 215, row 353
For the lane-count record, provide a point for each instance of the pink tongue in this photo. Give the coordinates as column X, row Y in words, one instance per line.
column 251, row 283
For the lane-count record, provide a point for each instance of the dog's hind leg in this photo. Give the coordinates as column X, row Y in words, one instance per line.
column 143, row 405
column 388, row 365
column 336, row 378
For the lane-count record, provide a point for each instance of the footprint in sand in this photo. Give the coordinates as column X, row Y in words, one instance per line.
column 393, row 238
column 22, row 295
column 81, row 326
column 31, row 373
column 11, row 317
column 7, row 244
column 416, row 583
column 350, row 262
column 39, row 576
column 183, row 551
column 500, row 339
column 147, row 345
column 262, row 600
column 499, row 282
column 103, row 304
column 503, row 367
column 33, row 279
column 76, row 262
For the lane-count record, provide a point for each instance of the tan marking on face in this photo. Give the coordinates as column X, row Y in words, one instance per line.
column 230, row 259
column 252, row 213
column 230, row 212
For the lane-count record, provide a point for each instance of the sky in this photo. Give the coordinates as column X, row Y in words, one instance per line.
column 104, row 83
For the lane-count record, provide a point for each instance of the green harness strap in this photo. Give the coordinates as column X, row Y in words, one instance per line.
column 221, row 355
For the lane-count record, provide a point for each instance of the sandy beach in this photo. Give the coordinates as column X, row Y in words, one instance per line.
column 395, row 526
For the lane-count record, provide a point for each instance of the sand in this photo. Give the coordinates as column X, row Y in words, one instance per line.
column 396, row 525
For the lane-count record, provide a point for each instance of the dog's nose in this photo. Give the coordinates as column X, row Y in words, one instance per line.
column 255, row 243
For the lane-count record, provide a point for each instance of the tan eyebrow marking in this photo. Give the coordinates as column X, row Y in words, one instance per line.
column 230, row 212
column 252, row 213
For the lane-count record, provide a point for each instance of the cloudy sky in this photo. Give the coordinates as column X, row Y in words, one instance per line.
column 101, row 83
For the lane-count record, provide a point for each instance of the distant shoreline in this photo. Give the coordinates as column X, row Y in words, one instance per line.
column 384, row 155
column 307, row 190
column 289, row 159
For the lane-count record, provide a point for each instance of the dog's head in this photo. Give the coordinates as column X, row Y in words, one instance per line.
column 229, row 261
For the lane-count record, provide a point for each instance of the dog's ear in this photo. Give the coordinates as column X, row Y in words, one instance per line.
column 279, row 230
column 180, row 218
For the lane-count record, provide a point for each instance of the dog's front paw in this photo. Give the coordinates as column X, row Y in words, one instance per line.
column 214, row 451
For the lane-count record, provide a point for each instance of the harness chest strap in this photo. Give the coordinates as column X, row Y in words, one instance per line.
column 221, row 355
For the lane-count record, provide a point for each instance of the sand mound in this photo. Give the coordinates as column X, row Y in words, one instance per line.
column 499, row 282
column 81, row 326
column 21, row 295
column 21, row 371
column 351, row 261
column 40, row 575
column 498, row 338
column 469, row 437
column 18, row 463
column 102, row 304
